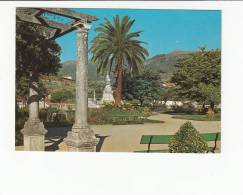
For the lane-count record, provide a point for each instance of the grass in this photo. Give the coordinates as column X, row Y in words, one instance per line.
column 198, row 117
column 123, row 113
column 109, row 122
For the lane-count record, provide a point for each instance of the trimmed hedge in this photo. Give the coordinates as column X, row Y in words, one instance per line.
column 187, row 140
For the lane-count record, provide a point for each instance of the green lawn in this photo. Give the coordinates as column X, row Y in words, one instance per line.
column 117, row 113
column 198, row 117
column 63, row 124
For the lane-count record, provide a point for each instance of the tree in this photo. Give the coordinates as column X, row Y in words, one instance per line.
column 116, row 47
column 210, row 93
column 166, row 94
column 35, row 55
column 198, row 76
column 97, row 87
column 61, row 96
column 22, row 89
column 142, row 87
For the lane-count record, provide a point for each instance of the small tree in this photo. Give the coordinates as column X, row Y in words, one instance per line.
column 143, row 87
column 187, row 140
column 166, row 94
column 62, row 96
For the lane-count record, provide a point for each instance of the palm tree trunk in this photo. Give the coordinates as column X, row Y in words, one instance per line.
column 118, row 91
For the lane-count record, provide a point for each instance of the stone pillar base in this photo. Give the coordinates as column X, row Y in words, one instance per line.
column 34, row 135
column 81, row 139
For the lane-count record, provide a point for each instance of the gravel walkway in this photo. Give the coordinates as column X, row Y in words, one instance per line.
column 126, row 138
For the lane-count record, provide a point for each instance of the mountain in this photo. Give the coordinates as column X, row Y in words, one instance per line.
column 163, row 63
column 69, row 68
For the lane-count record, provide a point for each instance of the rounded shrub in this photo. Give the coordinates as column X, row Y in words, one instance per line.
column 136, row 103
column 187, row 140
column 147, row 112
column 109, row 106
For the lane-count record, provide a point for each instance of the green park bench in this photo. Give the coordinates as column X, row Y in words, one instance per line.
column 165, row 139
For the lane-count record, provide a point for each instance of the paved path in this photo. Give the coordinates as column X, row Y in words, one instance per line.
column 126, row 138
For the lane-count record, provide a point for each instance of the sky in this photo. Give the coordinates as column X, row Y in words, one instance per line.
column 164, row 31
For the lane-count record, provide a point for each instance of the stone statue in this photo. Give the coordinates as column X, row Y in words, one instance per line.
column 108, row 93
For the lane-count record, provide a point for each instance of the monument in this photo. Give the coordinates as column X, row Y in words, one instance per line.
column 107, row 93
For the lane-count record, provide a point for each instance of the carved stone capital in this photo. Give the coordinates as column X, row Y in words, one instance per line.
column 83, row 28
column 33, row 126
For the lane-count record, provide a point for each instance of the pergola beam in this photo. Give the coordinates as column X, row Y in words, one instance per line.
column 59, row 29
column 28, row 18
column 69, row 13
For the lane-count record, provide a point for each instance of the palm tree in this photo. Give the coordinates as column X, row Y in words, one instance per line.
column 115, row 48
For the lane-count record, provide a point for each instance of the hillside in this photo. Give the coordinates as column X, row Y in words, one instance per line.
column 165, row 63
column 69, row 68
column 54, row 84
column 162, row 62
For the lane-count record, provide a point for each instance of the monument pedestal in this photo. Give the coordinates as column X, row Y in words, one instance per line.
column 81, row 139
column 34, row 135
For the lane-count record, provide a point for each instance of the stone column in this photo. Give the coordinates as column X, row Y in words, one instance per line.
column 34, row 131
column 81, row 138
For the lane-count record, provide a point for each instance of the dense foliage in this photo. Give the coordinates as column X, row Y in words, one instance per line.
column 34, row 54
column 62, row 96
column 116, row 47
column 143, row 87
column 198, row 77
column 187, row 140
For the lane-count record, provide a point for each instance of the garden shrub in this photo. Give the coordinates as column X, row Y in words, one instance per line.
column 98, row 115
column 146, row 111
column 50, row 112
column 43, row 114
column 21, row 116
column 126, row 106
column 61, row 116
column 210, row 114
column 70, row 115
column 19, row 124
column 187, row 140
column 109, row 106
column 161, row 108
column 135, row 103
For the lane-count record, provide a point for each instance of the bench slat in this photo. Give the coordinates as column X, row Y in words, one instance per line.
column 211, row 136
column 165, row 139
column 157, row 139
